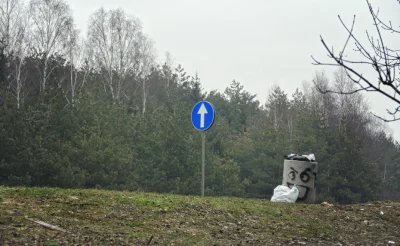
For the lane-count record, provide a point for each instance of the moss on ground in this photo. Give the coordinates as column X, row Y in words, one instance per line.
column 99, row 217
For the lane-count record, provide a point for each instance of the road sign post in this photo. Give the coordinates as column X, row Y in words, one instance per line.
column 203, row 161
column 203, row 116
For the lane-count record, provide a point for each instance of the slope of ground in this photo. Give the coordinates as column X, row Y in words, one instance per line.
column 98, row 217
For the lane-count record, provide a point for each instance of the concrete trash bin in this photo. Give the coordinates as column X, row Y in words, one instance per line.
column 304, row 175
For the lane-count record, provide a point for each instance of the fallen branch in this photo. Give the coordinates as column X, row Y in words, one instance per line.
column 47, row 225
column 149, row 242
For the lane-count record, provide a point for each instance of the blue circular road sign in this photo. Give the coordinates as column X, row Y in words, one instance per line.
column 203, row 115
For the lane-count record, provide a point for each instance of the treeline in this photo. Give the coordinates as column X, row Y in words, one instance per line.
column 99, row 112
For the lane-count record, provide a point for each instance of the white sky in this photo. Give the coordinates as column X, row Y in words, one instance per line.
column 256, row 42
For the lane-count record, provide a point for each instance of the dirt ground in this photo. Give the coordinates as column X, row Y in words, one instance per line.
column 51, row 217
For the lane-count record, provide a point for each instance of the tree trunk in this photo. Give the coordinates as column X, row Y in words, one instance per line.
column 144, row 96
column 71, row 58
column 18, row 82
column 44, row 79
column 110, row 83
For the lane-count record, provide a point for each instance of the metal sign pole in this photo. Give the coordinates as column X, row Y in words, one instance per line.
column 203, row 161
column 203, row 116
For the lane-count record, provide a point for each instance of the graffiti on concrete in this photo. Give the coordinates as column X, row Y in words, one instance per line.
column 303, row 175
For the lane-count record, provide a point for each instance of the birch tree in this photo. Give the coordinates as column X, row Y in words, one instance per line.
column 322, row 105
column 167, row 71
column 277, row 106
column 78, row 65
column 14, row 22
column 51, row 20
column 113, row 38
column 145, row 60
column 11, row 28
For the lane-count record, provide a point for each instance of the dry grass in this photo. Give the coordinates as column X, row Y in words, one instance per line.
column 98, row 217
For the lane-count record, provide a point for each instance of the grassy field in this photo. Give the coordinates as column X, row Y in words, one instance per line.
column 99, row 217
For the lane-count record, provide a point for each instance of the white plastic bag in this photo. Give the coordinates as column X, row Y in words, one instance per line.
column 283, row 193
column 310, row 157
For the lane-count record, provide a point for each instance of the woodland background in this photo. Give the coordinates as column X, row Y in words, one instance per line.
column 97, row 111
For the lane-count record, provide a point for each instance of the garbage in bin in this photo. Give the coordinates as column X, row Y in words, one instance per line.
column 283, row 193
column 295, row 157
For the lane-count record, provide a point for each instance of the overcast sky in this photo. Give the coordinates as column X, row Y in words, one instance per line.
column 256, row 42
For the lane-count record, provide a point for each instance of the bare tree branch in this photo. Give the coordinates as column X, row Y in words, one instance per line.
column 14, row 24
column 385, row 61
column 114, row 38
column 386, row 120
column 51, row 19
column 348, row 38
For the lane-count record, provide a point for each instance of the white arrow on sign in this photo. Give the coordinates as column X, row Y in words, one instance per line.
column 202, row 111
